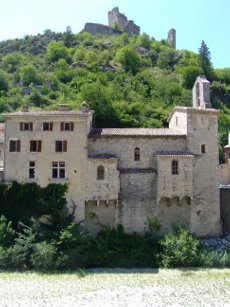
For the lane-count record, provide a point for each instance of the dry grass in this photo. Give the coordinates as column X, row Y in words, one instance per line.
column 117, row 288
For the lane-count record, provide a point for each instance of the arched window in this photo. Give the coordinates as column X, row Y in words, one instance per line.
column 174, row 167
column 100, row 173
column 137, row 154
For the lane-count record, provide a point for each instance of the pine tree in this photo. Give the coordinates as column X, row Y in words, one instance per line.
column 204, row 60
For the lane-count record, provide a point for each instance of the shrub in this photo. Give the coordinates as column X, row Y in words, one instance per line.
column 20, row 252
column 179, row 249
column 46, row 257
column 7, row 233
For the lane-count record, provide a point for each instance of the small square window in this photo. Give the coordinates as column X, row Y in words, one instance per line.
column 25, row 126
column 203, row 148
column 67, row 126
column 47, row 126
column 35, row 146
column 58, row 170
column 14, row 145
column 61, row 146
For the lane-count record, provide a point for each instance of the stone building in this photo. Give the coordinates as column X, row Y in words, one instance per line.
column 124, row 175
column 224, row 169
column 224, row 177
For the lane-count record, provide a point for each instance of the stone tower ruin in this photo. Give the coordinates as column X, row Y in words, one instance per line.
column 115, row 17
column 172, row 38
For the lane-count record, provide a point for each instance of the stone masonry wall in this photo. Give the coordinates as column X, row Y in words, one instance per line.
column 123, row 149
column 137, row 200
column 225, row 208
column 96, row 28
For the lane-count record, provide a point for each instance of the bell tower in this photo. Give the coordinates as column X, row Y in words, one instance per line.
column 201, row 93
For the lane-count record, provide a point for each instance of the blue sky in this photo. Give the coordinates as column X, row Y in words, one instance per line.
column 194, row 20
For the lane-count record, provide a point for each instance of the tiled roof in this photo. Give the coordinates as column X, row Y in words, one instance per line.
column 137, row 170
column 174, row 153
column 102, row 156
column 45, row 113
column 124, row 132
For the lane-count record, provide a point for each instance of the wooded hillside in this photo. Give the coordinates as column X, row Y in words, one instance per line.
column 128, row 81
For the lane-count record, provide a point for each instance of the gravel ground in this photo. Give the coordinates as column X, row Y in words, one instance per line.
column 117, row 287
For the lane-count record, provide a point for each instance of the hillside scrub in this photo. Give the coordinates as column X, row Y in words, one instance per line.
column 125, row 71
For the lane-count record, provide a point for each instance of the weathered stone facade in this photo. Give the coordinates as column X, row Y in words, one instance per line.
column 122, row 176
column 96, row 28
column 115, row 18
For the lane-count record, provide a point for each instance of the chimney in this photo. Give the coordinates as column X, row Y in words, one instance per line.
column 84, row 107
column 25, row 108
column 63, row 107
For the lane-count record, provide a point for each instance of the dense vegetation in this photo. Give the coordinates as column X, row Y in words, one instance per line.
column 128, row 81
column 42, row 235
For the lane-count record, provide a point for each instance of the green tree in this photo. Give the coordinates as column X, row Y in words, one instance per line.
column 28, row 74
column 189, row 75
column 97, row 97
column 7, row 234
column 4, row 84
column 204, row 61
column 10, row 61
column 57, row 51
column 129, row 58
column 144, row 40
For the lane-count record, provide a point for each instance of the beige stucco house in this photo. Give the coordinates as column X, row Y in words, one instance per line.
column 123, row 175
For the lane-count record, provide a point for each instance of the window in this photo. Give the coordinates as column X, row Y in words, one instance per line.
column 26, row 126
column 35, row 146
column 203, row 148
column 31, row 169
column 61, row 146
column 174, row 167
column 137, row 154
column 100, row 173
column 176, row 120
column 47, row 126
column 67, row 126
column 14, row 146
column 58, row 170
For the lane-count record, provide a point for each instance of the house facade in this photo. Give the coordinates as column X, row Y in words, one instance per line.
column 123, row 176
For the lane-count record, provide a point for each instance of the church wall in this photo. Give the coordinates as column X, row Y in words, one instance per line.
column 202, row 131
column 107, row 188
column 123, row 148
column 174, row 185
column 137, row 200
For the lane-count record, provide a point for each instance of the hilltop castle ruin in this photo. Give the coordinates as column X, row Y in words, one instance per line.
column 117, row 22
